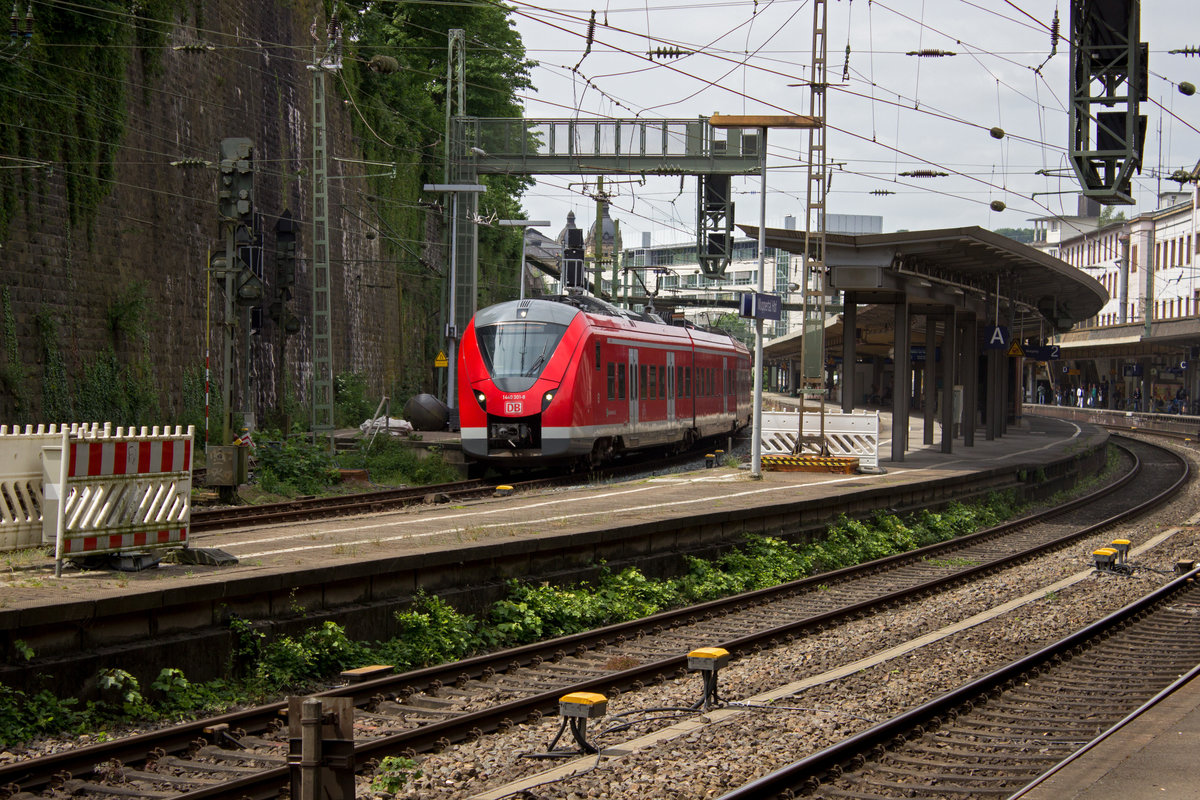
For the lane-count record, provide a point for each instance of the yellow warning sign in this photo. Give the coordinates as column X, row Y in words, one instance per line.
column 1014, row 350
column 441, row 360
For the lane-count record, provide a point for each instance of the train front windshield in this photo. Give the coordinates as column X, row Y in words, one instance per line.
column 518, row 349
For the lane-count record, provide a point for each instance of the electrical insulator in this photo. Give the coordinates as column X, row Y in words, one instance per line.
column 881, row 192
column 924, row 173
column 668, row 52
column 1185, row 51
column 1187, row 89
column 930, row 52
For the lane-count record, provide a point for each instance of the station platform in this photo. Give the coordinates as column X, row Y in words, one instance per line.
column 527, row 524
column 1152, row 756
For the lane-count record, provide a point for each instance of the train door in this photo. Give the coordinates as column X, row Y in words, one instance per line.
column 724, row 387
column 670, row 387
column 633, row 389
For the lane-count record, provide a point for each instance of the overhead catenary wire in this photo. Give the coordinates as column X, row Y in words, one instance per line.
column 874, row 137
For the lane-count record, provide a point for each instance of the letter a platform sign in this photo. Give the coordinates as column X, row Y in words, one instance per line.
column 997, row 338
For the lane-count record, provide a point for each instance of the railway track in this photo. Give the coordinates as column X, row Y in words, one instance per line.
column 995, row 736
column 429, row 709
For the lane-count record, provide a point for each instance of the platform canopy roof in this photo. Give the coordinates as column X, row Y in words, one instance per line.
column 955, row 267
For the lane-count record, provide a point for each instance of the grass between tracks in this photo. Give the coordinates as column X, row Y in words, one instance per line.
column 431, row 631
column 289, row 466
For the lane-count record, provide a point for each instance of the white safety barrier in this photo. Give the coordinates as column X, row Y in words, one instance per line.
column 108, row 493
column 21, row 480
column 855, row 435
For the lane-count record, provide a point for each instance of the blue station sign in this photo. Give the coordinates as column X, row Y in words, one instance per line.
column 758, row 305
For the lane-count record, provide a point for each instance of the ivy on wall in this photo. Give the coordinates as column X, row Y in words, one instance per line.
column 62, row 99
column 12, row 372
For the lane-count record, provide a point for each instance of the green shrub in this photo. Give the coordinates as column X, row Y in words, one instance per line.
column 294, row 465
column 351, row 406
column 24, row 717
column 393, row 773
column 431, row 632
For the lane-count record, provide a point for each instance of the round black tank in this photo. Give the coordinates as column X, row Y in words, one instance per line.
column 427, row 413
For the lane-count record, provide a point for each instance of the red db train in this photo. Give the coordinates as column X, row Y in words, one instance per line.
column 571, row 377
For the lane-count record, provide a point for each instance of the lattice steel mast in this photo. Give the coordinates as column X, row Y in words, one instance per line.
column 813, row 279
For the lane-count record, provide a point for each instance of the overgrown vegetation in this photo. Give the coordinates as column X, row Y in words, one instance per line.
column 107, row 388
column 82, row 54
column 431, row 631
column 295, row 465
column 392, row 462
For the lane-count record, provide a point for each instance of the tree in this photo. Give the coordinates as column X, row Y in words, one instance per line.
column 735, row 326
column 1109, row 215
column 1024, row 235
column 397, row 79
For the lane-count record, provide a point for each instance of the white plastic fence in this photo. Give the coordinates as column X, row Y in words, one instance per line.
column 21, row 480
column 109, row 493
column 855, row 435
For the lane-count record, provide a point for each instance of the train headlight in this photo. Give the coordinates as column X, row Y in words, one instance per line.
column 481, row 398
column 547, row 397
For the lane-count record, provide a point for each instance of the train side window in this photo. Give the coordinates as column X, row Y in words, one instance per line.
column 687, row 381
column 652, row 386
column 662, row 387
column 679, row 381
column 612, row 381
column 642, row 382
column 620, row 381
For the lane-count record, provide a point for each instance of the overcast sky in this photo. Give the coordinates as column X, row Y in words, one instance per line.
column 888, row 113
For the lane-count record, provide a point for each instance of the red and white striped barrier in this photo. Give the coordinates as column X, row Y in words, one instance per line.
column 107, row 494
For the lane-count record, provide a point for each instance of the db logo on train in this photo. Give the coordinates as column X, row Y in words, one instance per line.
column 512, row 408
